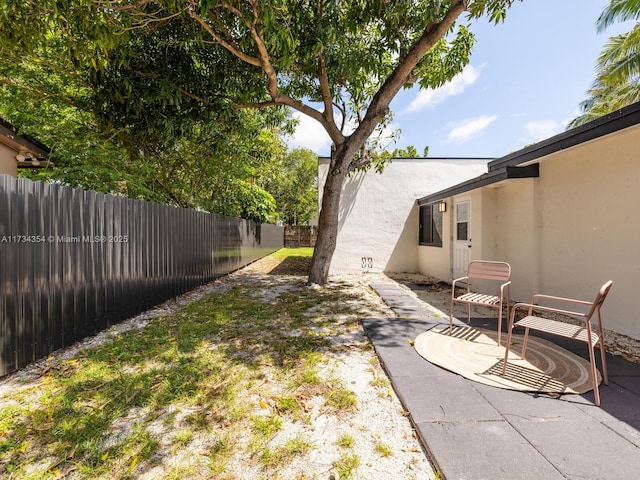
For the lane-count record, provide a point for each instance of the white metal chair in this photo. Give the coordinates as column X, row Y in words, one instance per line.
column 499, row 272
column 590, row 334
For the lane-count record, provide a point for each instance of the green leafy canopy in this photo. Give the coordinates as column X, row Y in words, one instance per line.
column 160, row 64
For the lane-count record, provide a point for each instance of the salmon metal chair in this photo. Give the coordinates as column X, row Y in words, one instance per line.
column 590, row 334
column 500, row 273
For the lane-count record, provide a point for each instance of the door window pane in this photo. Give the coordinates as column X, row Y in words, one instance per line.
column 462, row 212
column 462, row 231
column 462, row 221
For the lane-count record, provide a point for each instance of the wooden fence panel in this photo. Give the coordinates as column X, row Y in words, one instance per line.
column 304, row 236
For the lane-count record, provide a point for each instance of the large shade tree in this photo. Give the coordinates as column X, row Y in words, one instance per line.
column 338, row 62
column 188, row 157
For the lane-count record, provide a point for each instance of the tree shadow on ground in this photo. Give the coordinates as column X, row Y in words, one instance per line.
column 298, row 265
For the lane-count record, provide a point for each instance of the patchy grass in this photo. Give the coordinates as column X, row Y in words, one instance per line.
column 212, row 382
column 292, row 261
column 340, row 398
column 281, row 455
column 380, row 381
column 285, row 253
column 383, row 450
column 345, row 441
column 346, row 466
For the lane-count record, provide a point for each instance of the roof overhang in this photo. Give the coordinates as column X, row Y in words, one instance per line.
column 615, row 121
column 29, row 152
column 502, row 169
column 495, row 176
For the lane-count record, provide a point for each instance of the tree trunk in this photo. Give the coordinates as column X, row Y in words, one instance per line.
column 328, row 220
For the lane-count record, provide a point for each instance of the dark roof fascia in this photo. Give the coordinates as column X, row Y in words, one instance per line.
column 495, row 176
column 323, row 160
column 26, row 141
column 498, row 169
column 618, row 120
column 445, row 158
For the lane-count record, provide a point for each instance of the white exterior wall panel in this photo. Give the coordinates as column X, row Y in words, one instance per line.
column 379, row 215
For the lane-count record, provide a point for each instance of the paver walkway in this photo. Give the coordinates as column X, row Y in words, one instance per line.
column 474, row 431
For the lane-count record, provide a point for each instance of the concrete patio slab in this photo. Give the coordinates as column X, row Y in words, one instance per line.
column 408, row 363
column 593, row 451
column 443, row 399
column 629, row 430
column 484, row 451
column 475, row 431
column 518, row 406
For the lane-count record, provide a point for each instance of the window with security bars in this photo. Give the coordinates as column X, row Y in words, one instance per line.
column 430, row 226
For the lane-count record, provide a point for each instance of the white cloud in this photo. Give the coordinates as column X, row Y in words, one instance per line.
column 466, row 130
column 542, row 129
column 431, row 97
column 310, row 134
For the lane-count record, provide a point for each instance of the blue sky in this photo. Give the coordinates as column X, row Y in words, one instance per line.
column 525, row 81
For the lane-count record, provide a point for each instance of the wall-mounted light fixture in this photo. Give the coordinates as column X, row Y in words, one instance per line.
column 442, row 206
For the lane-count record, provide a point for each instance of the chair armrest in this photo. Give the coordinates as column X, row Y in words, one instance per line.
column 561, row 299
column 504, row 285
column 532, row 306
column 453, row 286
column 458, row 280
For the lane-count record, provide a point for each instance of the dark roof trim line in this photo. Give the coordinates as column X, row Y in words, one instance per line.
column 498, row 169
column 26, row 141
column 528, row 171
column 618, row 120
column 506, row 173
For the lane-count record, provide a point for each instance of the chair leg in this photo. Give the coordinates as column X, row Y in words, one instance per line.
column 499, row 324
column 524, row 342
column 468, row 313
column 451, row 316
column 506, row 352
column 605, row 376
column 594, row 376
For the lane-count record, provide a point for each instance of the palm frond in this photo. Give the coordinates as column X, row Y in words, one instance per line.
column 619, row 60
column 604, row 100
column 618, row 11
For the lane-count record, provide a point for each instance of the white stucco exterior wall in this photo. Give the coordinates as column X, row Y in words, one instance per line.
column 8, row 164
column 378, row 212
column 565, row 233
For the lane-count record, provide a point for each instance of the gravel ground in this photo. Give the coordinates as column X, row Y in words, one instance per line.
column 383, row 442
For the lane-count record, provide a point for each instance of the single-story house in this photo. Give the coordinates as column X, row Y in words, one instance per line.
column 378, row 220
column 562, row 212
column 20, row 151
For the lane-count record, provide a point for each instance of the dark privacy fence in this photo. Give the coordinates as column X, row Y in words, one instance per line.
column 74, row 262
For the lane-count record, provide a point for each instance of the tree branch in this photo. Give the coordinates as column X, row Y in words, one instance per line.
column 379, row 105
column 265, row 62
column 325, row 91
column 224, row 43
column 196, row 97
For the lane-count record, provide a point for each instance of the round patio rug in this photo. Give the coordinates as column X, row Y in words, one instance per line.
column 475, row 354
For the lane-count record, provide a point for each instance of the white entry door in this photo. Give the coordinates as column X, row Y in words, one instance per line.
column 461, row 238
